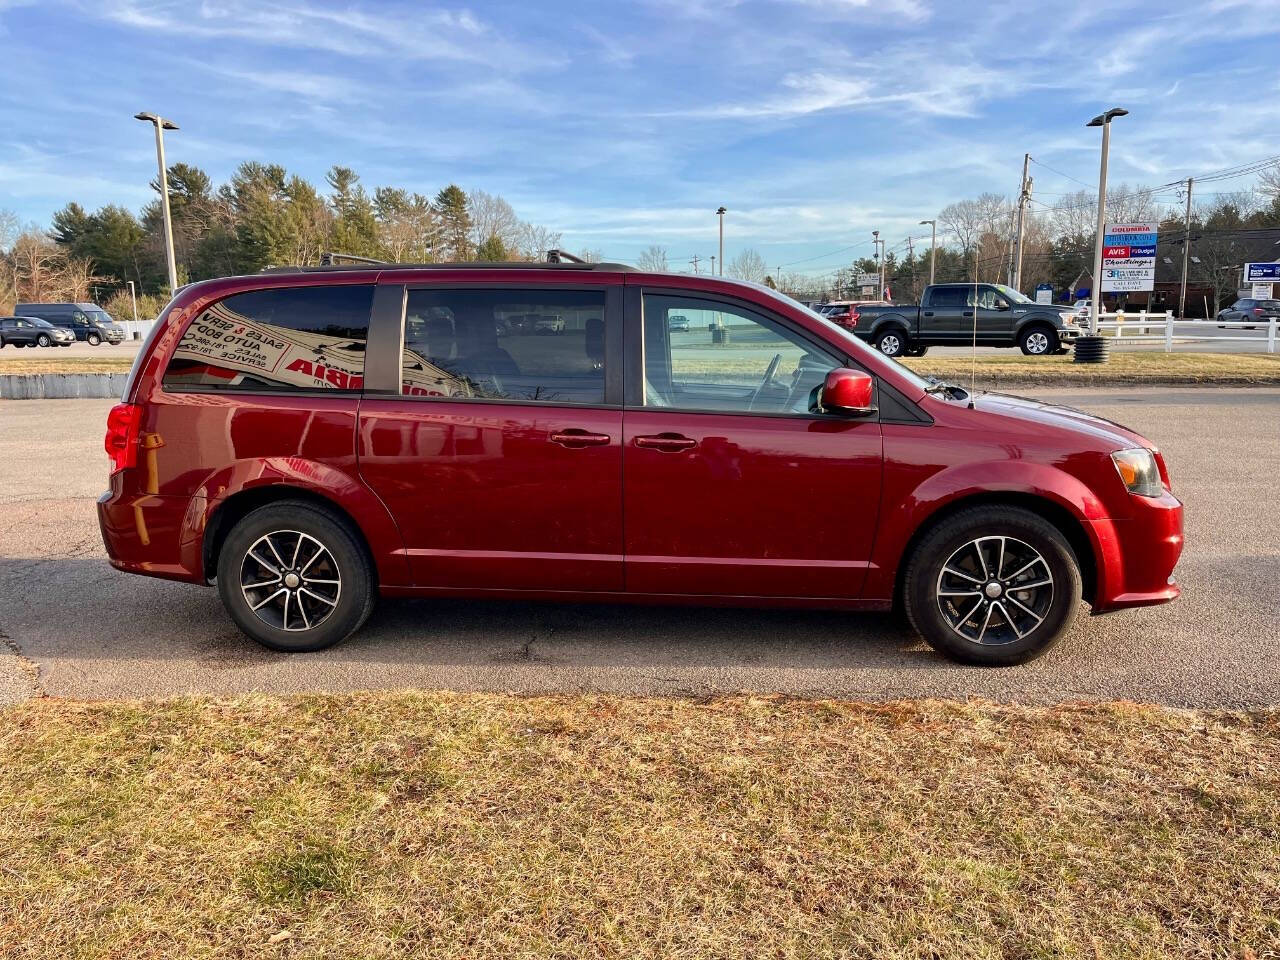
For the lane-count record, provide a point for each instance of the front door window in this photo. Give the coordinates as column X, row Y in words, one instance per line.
column 731, row 359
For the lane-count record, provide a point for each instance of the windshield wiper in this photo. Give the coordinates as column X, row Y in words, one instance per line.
column 948, row 390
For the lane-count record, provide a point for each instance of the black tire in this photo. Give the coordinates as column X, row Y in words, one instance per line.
column 18, row 346
column 1061, row 351
column 347, row 562
column 93, row 339
column 43, row 340
column 1015, row 639
column 1038, row 340
column 892, row 342
column 917, row 351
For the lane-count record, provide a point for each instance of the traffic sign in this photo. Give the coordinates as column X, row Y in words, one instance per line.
column 1128, row 257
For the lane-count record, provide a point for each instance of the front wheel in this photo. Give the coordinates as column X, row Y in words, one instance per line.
column 1038, row 341
column 43, row 340
column 293, row 577
column 892, row 343
column 993, row 586
column 93, row 339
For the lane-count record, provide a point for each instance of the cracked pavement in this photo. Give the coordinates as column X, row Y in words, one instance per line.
column 70, row 626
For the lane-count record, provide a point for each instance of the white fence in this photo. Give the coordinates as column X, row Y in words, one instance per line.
column 1138, row 327
column 137, row 329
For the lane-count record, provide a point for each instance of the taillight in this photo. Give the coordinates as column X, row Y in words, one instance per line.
column 121, row 441
column 1257, row 311
column 853, row 318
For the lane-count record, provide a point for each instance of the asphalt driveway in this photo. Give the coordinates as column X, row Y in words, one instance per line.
column 71, row 626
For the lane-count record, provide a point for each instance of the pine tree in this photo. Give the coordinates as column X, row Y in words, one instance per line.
column 451, row 207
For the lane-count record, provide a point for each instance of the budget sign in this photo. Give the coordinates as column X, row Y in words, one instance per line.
column 1128, row 257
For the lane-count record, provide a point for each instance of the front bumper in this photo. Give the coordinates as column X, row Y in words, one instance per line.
column 1137, row 555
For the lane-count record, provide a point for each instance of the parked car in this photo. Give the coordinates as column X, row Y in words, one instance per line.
column 1246, row 310
column 945, row 317
column 307, row 441
column 87, row 321
column 33, row 332
column 547, row 325
column 677, row 323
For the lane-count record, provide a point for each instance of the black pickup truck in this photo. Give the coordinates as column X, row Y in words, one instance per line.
column 945, row 318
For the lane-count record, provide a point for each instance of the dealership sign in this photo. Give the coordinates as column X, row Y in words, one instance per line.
column 1128, row 257
column 1261, row 273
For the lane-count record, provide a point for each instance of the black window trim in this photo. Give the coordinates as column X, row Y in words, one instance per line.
column 635, row 356
column 385, row 349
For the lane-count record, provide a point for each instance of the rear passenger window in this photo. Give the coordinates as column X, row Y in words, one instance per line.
column 541, row 345
column 290, row 338
column 950, row 297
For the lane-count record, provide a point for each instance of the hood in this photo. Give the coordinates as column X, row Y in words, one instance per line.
column 1040, row 413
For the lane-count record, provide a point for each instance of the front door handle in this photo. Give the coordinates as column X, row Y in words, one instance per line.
column 928, row 313
column 967, row 313
column 576, row 438
column 666, row 442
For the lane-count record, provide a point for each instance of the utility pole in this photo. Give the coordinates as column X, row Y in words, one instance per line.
column 1186, row 253
column 911, row 260
column 1023, row 198
column 933, row 246
column 713, row 265
column 879, row 245
column 694, row 260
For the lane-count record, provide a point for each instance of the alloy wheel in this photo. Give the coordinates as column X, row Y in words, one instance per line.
column 890, row 345
column 290, row 580
column 1037, row 343
column 995, row 590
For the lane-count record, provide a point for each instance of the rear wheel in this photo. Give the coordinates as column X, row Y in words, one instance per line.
column 293, row 577
column 993, row 586
column 892, row 343
column 1037, row 341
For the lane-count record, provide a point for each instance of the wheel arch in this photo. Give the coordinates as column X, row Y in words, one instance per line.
column 1066, row 522
column 230, row 511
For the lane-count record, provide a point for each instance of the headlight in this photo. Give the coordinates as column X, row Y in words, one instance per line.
column 1139, row 472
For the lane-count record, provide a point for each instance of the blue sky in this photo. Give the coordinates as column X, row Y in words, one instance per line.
column 625, row 124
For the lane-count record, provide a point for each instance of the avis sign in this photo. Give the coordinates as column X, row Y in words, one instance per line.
column 1128, row 257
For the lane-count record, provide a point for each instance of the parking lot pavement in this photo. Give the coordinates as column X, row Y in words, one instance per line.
column 129, row 348
column 91, row 632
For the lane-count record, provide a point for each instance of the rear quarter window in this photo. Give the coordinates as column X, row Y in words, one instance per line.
column 279, row 340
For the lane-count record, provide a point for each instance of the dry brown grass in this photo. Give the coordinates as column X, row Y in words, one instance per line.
column 1123, row 369
column 21, row 362
column 486, row 826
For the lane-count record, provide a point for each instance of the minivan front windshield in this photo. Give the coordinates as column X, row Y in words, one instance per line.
column 100, row 316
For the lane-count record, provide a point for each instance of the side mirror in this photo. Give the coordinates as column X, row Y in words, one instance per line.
column 848, row 392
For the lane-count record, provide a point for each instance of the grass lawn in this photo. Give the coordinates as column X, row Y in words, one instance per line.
column 441, row 825
column 1014, row 369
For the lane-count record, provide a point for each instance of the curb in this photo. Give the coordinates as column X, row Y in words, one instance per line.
column 61, row 386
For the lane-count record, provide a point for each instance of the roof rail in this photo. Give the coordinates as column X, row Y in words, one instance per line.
column 561, row 256
column 370, row 265
column 327, row 259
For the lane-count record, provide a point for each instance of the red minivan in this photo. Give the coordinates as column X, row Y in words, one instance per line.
column 311, row 438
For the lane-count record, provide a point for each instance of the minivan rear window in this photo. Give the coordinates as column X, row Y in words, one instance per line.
column 283, row 339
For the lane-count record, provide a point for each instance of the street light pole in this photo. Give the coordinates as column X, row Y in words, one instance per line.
column 1102, row 120
column 161, row 124
column 133, row 295
column 933, row 246
column 720, row 213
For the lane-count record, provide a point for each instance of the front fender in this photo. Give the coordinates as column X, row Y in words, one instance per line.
column 345, row 492
column 980, row 481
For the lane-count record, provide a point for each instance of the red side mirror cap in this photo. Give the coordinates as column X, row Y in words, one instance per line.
column 848, row 391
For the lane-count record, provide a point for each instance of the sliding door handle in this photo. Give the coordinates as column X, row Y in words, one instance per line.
column 575, row 438
column 666, row 442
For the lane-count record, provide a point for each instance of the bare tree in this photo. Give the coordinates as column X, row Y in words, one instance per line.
column 654, row 259
column 590, row 255
column 748, row 265
column 534, row 241
column 963, row 220
column 492, row 216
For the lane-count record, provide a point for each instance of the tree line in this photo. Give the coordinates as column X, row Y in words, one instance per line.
column 261, row 217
